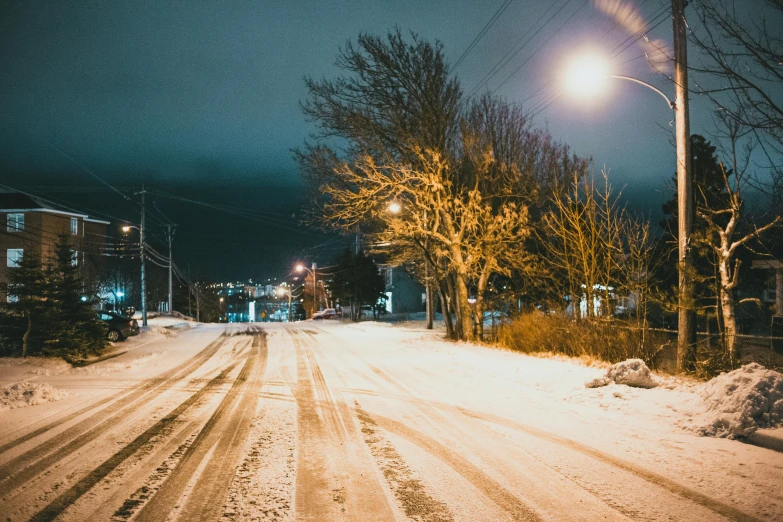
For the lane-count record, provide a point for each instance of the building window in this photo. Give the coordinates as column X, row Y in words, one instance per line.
column 74, row 258
column 13, row 294
column 74, row 226
column 15, row 256
column 15, row 222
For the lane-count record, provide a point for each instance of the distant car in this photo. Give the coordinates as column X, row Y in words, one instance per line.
column 120, row 326
column 329, row 313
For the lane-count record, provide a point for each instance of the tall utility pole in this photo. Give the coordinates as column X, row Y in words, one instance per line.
column 143, row 271
column 190, row 288
column 315, row 289
column 198, row 307
column 170, row 237
column 427, row 286
column 686, row 324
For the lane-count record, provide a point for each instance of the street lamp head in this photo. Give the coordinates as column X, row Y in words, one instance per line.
column 586, row 74
column 299, row 268
column 126, row 229
column 395, row 207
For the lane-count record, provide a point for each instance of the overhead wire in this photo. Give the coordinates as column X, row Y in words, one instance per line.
column 500, row 10
column 511, row 53
column 551, row 35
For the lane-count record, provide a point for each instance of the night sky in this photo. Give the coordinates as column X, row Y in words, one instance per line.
column 200, row 100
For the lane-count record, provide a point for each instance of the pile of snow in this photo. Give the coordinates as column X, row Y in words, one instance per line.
column 632, row 372
column 22, row 394
column 163, row 331
column 740, row 402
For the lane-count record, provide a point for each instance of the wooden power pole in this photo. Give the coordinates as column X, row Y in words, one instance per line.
column 686, row 323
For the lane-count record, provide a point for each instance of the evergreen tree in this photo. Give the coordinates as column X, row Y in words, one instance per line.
column 708, row 189
column 80, row 332
column 26, row 322
column 356, row 282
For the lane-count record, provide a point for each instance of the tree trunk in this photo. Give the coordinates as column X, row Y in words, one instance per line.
column 446, row 308
column 727, row 308
column 454, row 303
column 26, row 336
column 729, row 323
column 464, row 318
column 481, row 288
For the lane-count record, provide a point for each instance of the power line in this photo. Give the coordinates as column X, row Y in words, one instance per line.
column 88, row 171
column 511, row 53
column 551, row 35
column 483, row 31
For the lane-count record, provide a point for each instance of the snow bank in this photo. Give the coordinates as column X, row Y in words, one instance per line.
column 22, row 394
column 114, row 367
column 740, row 402
column 632, row 372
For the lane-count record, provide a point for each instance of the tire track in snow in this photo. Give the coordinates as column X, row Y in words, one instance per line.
column 26, row 466
column 59, row 422
column 332, row 468
column 649, row 476
column 62, row 502
column 215, row 452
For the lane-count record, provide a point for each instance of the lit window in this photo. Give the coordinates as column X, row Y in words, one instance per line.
column 74, row 226
column 15, row 256
column 15, row 222
column 13, row 294
column 74, row 258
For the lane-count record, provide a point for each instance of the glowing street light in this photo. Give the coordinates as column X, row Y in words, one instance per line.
column 587, row 73
column 394, row 207
column 300, row 268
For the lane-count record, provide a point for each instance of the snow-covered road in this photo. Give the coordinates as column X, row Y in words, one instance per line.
column 364, row 422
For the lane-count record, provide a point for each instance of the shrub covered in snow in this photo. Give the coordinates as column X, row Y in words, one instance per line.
column 740, row 402
column 21, row 394
column 632, row 372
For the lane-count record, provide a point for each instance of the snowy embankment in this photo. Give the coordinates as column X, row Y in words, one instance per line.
column 25, row 393
column 19, row 385
column 738, row 403
column 734, row 404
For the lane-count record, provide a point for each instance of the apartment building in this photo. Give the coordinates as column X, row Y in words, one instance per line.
column 27, row 223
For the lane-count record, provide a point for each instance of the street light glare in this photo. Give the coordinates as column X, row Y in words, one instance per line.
column 394, row 207
column 126, row 228
column 299, row 268
column 586, row 74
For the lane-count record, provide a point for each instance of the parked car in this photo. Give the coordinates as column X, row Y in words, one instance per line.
column 329, row 313
column 120, row 326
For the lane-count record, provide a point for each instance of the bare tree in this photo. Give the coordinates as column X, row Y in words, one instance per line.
column 725, row 233
column 741, row 51
column 596, row 251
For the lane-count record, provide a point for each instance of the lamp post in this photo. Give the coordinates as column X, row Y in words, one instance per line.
column 587, row 75
column 126, row 229
column 395, row 208
column 283, row 291
column 300, row 268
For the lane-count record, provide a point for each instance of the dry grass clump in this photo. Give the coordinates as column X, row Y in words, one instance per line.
column 605, row 340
